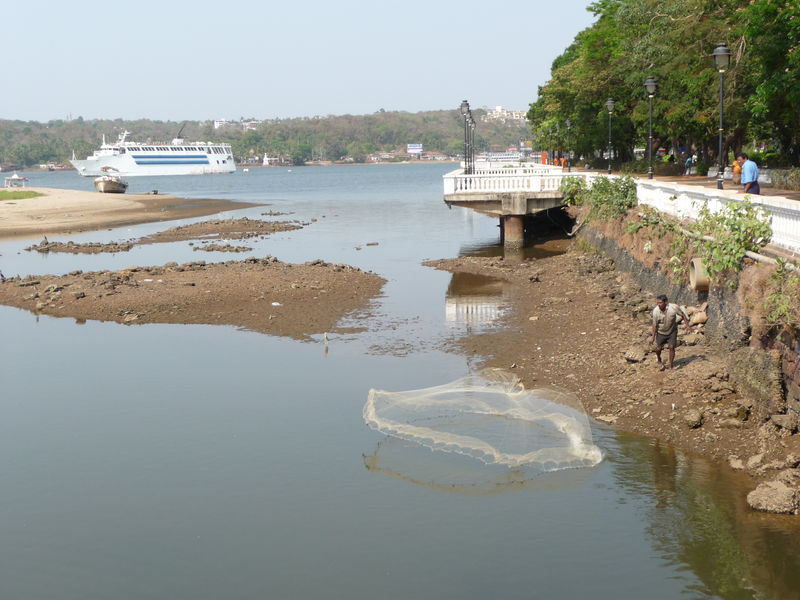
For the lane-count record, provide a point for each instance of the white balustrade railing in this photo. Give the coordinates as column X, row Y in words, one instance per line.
column 685, row 202
column 523, row 179
column 681, row 201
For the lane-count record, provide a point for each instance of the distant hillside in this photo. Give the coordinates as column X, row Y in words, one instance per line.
column 352, row 137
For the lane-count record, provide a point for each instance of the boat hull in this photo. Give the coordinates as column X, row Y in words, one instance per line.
column 110, row 185
column 130, row 165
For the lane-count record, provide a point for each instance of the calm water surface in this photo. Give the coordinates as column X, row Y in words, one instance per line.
column 165, row 461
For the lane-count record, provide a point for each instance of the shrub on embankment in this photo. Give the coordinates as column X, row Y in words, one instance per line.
column 785, row 179
column 750, row 303
column 660, row 167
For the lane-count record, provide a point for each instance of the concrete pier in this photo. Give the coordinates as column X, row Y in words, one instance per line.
column 513, row 227
column 509, row 194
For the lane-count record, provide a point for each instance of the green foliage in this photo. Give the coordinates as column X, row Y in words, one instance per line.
column 611, row 198
column 781, row 306
column 672, row 41
column 303, row 139
column 772, row 30
column 650, row 218
column 575, row 190
column 738, row 228
column 767, row 159
column 677, row 264
column 17, row 194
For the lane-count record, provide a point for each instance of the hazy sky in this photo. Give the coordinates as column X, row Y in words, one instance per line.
column 199, row 59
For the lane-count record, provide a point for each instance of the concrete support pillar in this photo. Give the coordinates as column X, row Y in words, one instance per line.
column 514, row 231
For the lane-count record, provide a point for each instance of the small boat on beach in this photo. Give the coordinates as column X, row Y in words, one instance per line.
column 110, row 182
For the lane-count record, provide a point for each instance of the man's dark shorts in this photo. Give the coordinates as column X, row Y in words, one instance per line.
column 670, row 339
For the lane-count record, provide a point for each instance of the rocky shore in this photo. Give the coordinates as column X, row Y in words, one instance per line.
column 576, row 322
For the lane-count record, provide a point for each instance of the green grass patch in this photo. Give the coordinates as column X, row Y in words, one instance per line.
column 17, row 194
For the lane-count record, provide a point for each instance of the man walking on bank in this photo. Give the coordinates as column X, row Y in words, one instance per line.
column 665, row 328
column 749, row 174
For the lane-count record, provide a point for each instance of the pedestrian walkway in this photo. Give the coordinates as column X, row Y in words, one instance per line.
column 711, row 182
column 683, row 196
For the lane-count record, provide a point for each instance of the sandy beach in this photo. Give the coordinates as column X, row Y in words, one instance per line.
column 59, row 211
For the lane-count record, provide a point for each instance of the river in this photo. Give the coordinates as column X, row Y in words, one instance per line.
column 176, row 461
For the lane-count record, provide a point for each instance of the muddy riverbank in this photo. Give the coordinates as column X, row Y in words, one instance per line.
column 578, row 323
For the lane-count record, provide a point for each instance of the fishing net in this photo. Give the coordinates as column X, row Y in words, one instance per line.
column 491, row 417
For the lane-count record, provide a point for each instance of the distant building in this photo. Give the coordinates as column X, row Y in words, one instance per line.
column 220, row 123
column 250, row 125
column 503, row 115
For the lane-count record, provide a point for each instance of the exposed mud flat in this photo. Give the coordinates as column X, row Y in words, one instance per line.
column 206, row 232
column 264, row 295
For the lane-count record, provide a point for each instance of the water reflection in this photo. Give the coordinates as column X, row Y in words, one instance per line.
column 463, row 475
column 699, row 517
column 473, row 300
column 542, row 247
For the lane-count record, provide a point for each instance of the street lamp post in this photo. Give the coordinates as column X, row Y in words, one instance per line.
column 569, row 158
column 471, row 143
column 464, row 112
column 722, row 56
column 610, row 109
column 650, row 85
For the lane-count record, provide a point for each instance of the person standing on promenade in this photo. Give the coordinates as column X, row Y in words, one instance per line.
column 665, row 328
column 749, row 174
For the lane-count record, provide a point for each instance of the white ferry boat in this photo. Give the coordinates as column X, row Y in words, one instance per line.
column 132, row 159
